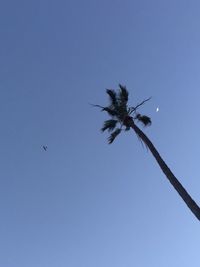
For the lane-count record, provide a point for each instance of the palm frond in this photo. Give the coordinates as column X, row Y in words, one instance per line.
column 133, row 109
column 114, row 135
column 109, row 125
column 97, row 106
column 144, row 119
column 123, row 93
column 112, row 95
column 110, row 111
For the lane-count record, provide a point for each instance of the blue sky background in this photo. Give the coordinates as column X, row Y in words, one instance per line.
column 84, row 203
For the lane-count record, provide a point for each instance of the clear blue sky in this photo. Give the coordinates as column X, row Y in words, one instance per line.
column 84, row 203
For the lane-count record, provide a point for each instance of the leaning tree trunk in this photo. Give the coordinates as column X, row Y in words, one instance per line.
column 170, row 176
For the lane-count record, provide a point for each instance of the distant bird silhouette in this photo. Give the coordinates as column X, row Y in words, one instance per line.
column 45, row 148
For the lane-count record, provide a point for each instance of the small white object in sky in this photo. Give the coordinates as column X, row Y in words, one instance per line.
column 157, row 109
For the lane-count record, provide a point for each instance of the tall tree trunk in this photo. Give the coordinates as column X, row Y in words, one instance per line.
column 170, row 176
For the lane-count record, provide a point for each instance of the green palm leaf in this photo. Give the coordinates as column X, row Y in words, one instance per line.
column 114, row 135
column 109, row 125
column 146, row 121
column 123, row 93
column 110, row 111
column 112, row 95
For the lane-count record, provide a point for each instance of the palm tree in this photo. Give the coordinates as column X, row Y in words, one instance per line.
column 123, row 118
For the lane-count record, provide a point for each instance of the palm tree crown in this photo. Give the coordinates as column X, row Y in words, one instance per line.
column 119, row 111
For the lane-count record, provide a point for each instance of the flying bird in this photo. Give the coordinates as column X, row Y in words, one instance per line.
column 45, row 148
column 157, row 109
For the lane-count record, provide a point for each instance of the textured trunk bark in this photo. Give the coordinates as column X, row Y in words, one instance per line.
column 170, row 176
